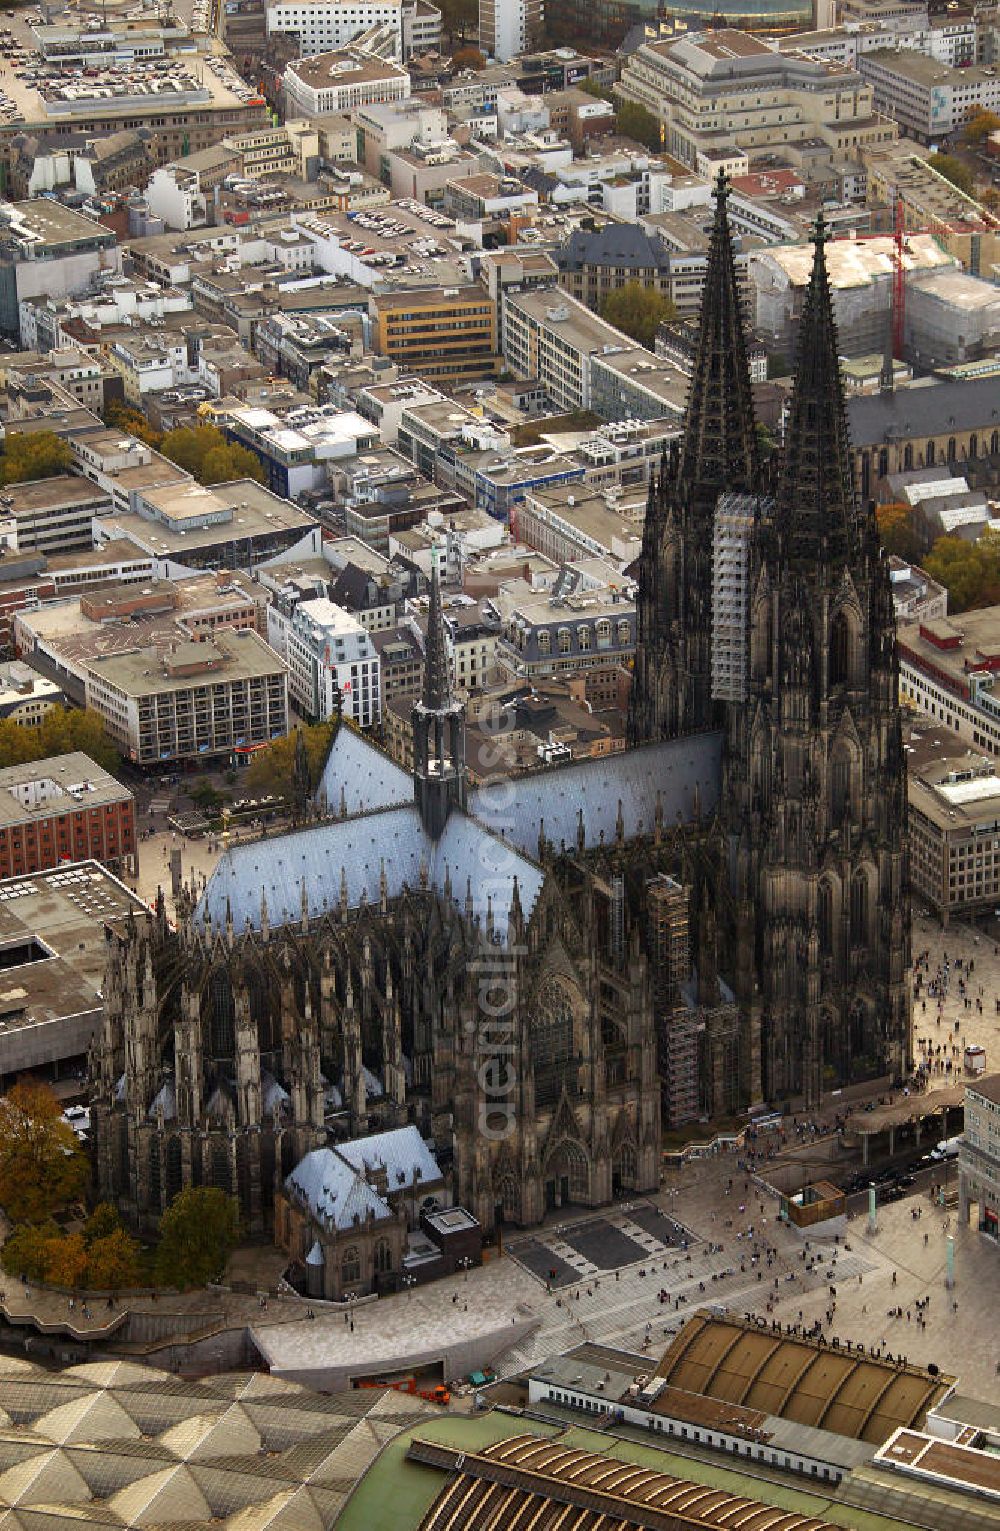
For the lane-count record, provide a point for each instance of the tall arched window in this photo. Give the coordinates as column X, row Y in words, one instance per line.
column 840, row 650
column 952, row 449
column 930, row 454
column 825, row 917
column 973, row 445
column 908, row 456
column 383, row 1258
column 859, row 909
column 350, row 1265
column 221, row 1036
column 841, row 787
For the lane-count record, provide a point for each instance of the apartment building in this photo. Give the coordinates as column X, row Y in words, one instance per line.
column 332, row 661
column 509, row 27
column 448, row 335
column 979, row 1155
column 66, row 808
column 549, row 635
column 191, row 700
column 721, row 94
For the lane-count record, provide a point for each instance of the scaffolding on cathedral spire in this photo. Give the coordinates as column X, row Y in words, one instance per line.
column 437, row 684
column 817, row 512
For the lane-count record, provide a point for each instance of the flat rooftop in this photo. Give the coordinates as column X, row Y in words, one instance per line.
column 239, row 655
column 61, row 93
column 243, row 509
column 58, row 917
column 330, row 71
column 61, row 784
column 64, row 491
column 63, row 630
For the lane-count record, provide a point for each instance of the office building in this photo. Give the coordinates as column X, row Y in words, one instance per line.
column 341, row 81
column 333, row 664
column 927, row 98
column 25, row 695
column 321, row 25
column 948, row 668
column 723, row 94
column 54, row 515
column 49, row 251
column 448, row 335
column 954, row 830
column 66, row 808
column 184, row 527
column 192, row 700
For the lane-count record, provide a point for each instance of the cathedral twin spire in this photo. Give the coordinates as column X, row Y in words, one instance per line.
column 719, row 449
column 817, row 513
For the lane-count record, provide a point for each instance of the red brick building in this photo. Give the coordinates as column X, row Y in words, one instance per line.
column 61, row 810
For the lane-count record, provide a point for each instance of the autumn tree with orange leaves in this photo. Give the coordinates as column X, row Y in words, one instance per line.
column 42, row 1166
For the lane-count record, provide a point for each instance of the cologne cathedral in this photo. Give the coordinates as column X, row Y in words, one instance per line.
column 538, row 970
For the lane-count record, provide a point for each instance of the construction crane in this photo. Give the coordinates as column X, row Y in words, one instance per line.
column 898, row 280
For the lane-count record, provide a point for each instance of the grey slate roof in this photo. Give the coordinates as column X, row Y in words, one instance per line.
column 395, row 836
column 368, row 777
column 934, row 410
column 622, row 245
column 401, row 1152
column 679, row 769
column 333, row 1190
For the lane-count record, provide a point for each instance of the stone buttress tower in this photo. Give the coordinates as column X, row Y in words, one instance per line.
column 814, row 800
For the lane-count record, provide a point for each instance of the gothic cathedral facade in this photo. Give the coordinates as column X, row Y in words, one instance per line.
column 766, row 610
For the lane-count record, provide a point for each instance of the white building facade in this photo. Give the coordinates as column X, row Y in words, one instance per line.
column 329, row 653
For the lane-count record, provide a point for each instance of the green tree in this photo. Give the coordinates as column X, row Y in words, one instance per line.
column 595, row 88
column 954, row 171
column 634, row 121
column 26, row 1251
column 61, row 730
column 766, row 443
column 197, row 1233
column 638, row 310
column 102, row 1221
column 895, row 526
column 113, row 1262
column 42, row 1166
column 28, row 457
column 204, row 452
column 970, row 571
column 270, row 771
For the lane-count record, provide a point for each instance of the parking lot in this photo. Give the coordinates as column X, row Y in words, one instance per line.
column 51, row 70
